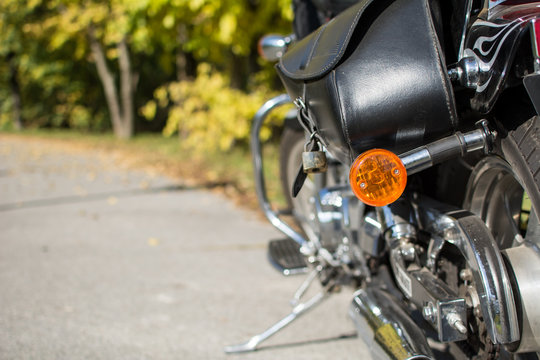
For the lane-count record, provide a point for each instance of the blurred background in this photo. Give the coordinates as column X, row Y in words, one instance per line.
column 181, row 76
column 102, row 260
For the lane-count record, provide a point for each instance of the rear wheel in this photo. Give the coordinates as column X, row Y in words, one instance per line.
column 290, row 159
column 304, row 205
column 504, row 191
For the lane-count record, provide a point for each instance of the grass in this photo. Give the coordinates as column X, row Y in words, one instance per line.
column 229, row 172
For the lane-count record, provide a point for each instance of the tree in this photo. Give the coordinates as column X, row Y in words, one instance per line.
column 89, row 64
column 103, row 27
column 206, row 112
column 49, row 77
column 120, row 102
column 12, row 16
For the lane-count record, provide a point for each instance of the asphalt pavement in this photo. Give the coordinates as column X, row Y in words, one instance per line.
column 99, row 261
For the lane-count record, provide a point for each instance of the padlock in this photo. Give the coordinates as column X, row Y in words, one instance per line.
column 314, row 162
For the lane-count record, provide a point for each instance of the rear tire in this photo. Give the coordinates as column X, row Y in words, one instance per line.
column 496, row 187
column 521, row 148
column 290, row 158
column 496, row 194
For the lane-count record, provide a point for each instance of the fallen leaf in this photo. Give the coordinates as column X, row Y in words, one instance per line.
column 80, row 191
column 144, row 184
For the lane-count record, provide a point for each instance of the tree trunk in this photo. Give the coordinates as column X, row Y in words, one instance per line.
column 181, row 63
column 127, row 88
column 238, row 71
column 186, row 66
column 15, row 92
column 122, row 116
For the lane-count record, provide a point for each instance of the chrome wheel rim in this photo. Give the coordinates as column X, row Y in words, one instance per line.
column 496, row 196
column 303, row 204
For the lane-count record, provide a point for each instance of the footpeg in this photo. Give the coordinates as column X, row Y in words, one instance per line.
column 285, row 256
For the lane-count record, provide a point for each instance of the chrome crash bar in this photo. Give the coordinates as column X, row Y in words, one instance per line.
column 260, row 186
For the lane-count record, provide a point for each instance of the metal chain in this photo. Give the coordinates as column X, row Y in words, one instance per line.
column 308, row 124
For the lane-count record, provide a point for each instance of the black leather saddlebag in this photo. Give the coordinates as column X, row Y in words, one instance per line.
column 374, row 76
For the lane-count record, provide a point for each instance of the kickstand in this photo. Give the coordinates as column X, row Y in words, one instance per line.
column 305, row 286
column 299, row 309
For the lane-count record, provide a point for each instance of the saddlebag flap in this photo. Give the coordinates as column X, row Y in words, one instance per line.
column 374, row 76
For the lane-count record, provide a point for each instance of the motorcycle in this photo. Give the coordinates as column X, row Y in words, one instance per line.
column 412, row 173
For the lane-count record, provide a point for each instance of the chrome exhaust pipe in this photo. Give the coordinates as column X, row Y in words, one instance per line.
column 386, row 328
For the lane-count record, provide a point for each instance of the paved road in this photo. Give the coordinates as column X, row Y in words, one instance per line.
column 100, row 262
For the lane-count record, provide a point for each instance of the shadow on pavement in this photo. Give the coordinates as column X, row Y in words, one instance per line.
column 75, row 199
column 352, row 335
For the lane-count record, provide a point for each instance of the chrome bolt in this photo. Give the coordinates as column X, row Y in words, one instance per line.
column 466, row 275
column 470, row 72
column 450, row 234
column 308, row 249
column 455, row 321
column 429, row 312
column 408, row 251
column 455, row 74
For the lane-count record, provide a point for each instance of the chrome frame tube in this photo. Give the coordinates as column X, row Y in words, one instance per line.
column 468, row 8
column 256, row 151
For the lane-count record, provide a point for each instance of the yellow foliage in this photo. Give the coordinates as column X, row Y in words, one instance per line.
column 195, row 5
column 161, row 96
column 208, row 114
column 33, row 3
column 5, row 120
column 112, row 53
column 149, row 110
column 79, row 117
column 227, row 28
column 168, row 21
column 286, row 10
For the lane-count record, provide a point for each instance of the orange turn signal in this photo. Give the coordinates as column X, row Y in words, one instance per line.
column 378, row 177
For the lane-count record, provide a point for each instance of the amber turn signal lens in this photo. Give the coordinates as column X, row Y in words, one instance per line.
column 378, row 177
